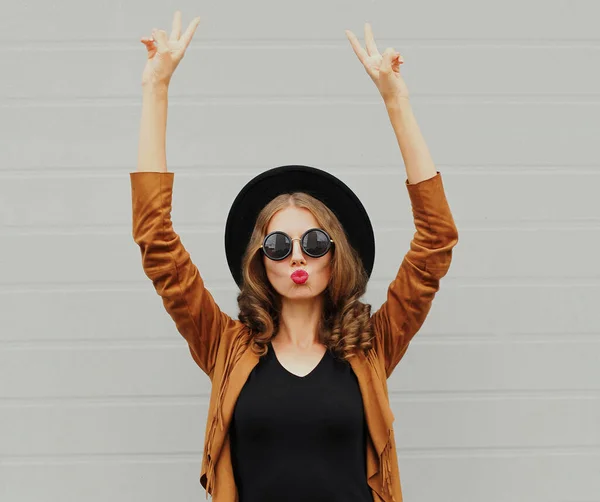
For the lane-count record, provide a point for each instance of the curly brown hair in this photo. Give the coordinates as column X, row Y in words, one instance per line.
column 344, row 327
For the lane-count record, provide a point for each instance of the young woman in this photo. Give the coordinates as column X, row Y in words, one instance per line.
column 299, row 407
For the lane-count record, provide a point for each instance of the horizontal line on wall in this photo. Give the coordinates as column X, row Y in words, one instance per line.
column 47, row 229
column 486, row 451
column 134, row 100
column 210, row 229
column 196, row 455
column 567, row 225
column 200, row 171
column 495, row 395
column 449, row 282
column 134, row 44
column 175, row 342
column 80, row 344
column 202, row 398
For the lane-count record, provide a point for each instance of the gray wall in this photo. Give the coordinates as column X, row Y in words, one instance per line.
column 498, row 398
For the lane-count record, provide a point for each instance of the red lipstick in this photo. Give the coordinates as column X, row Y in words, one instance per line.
column 299, row 276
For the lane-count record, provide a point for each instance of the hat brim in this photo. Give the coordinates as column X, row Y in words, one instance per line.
column 259, row 191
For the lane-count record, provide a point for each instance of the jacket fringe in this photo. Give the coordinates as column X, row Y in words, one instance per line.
column 385, row 460
column 233, row 357
column 372, row 360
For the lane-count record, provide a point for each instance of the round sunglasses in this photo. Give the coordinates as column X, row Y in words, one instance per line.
column 314, row 242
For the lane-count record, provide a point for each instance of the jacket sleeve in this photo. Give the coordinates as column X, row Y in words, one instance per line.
column 168, row 265
column 410, row 295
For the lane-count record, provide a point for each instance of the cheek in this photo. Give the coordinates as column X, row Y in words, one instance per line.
column 276, row 270
column 322, row 269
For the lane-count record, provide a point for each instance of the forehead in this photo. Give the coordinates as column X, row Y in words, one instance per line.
column 292, row 220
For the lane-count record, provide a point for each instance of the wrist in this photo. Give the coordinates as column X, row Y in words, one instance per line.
column 155, row 90
column 397, row 103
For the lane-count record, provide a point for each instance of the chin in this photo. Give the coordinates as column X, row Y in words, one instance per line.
column 300, row 291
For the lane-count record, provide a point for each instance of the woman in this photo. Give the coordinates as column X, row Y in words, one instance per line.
column 299, row 407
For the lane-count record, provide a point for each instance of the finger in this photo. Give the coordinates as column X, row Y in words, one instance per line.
column 176, row 27
column 149, row 43
column 397, row 60
column 370, row 41
column 160, row 37
column 358, row 50
column 189, row 33
column 386, row 62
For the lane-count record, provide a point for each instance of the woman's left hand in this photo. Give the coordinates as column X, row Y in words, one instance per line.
column 384, row 69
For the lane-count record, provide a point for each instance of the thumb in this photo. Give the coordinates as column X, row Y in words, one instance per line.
column 386, row 63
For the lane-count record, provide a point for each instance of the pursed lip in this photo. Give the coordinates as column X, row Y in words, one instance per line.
column 299, row 276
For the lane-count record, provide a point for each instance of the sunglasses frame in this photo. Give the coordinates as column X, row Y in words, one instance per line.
column 329, row 246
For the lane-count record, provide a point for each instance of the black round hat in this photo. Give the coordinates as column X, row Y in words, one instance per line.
column 323, row 186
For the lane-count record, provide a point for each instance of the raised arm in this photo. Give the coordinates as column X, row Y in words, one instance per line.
column 168, row 265
column 164, row 55
column 164, row 259
column 411, row 293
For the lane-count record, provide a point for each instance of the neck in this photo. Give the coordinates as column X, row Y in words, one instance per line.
column 299, row 322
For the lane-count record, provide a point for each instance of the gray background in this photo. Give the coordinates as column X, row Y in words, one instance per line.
column 498, row 398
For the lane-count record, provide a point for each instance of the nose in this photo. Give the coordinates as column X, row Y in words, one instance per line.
column 297, row 255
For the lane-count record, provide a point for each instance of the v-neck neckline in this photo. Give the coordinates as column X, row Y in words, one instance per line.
column 304, row 377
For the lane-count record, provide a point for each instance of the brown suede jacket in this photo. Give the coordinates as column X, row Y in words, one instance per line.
column 220, row 344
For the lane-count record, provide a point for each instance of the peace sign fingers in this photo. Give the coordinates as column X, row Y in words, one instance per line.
column 176, row 27
column 166, row 51
column 358, row 50
column 189, row 33
column 384, row 69
column 370, row 41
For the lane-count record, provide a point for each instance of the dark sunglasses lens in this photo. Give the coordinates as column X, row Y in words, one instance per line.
column 277, row 246
column 315, row 243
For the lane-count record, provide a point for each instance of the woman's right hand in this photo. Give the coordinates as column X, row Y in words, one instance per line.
column 164, row 54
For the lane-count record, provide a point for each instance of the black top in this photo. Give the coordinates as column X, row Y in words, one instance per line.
column 300, row 439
